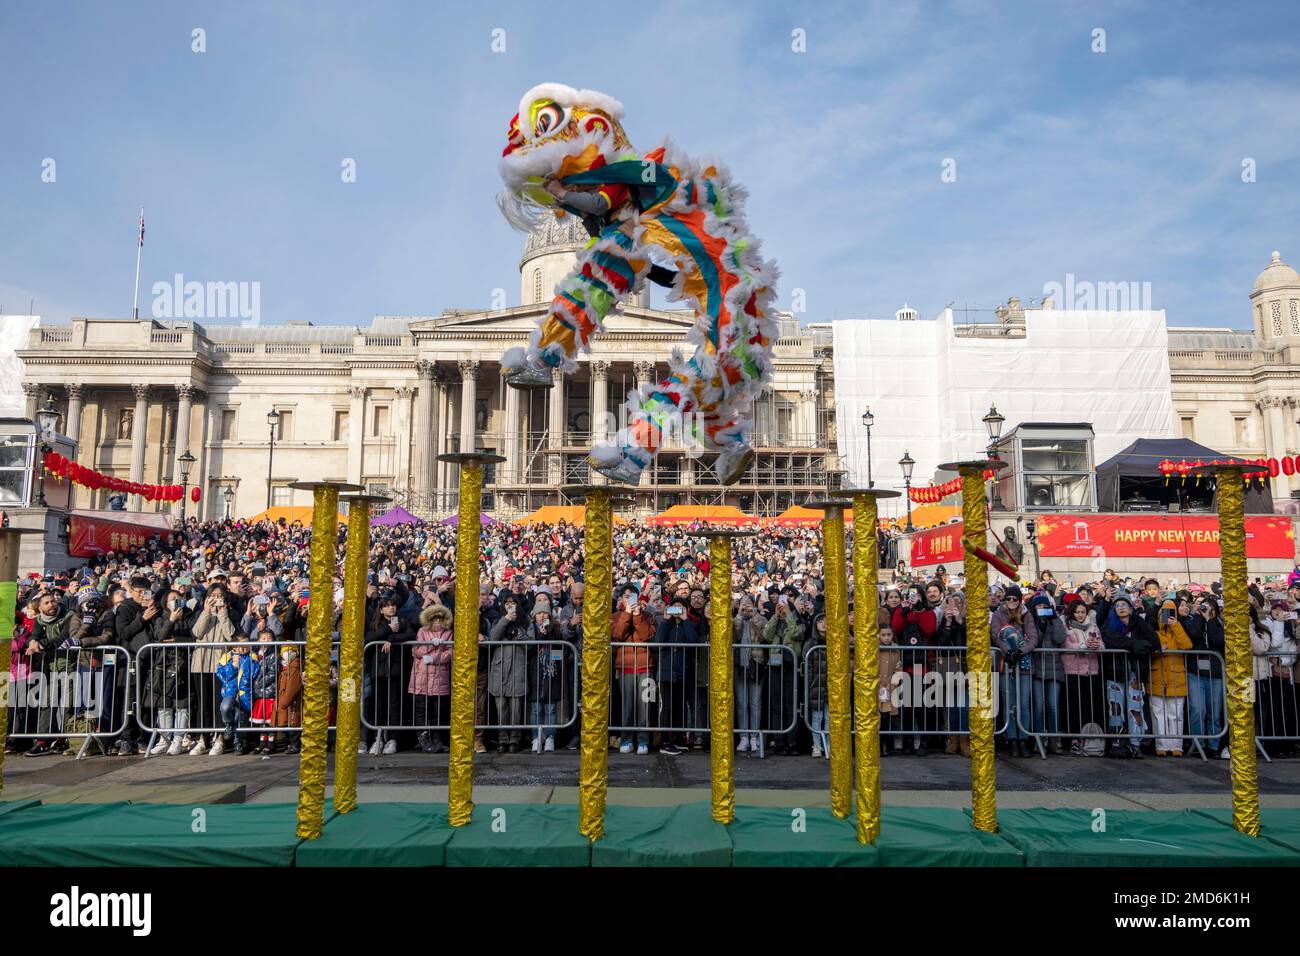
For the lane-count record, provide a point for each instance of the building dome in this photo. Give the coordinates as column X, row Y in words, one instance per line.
column 1278, row 275
column 565, row 234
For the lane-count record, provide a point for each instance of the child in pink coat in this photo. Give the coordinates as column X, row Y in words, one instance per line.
column 430, row 683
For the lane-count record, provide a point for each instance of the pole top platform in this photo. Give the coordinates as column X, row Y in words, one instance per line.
column 980, row 464
column 356, row 499
column 472, row 458
column 870, row 493
column 342, row 486
column 617, row 493
column 828, row 504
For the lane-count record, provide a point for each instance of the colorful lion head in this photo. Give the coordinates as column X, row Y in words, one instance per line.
column 558, row 131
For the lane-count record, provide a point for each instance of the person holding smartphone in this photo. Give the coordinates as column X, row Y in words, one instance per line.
column 508, row 671
column 385, row 635
column 1205, row 676
column 633, row 666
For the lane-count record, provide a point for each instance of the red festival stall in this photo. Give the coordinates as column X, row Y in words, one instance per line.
column 95, row 533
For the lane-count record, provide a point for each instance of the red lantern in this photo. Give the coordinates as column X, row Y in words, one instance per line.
column 195, row 494
column 1288, row 466
column 1274, row 469
column 1295, row 463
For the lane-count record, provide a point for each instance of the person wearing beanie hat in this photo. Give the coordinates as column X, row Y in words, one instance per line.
column 1127, row 631
column 1016, row 635
column 1168, row 684
column 1048, row 672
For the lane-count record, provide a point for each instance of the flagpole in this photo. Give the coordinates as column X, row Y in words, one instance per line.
column 139, row 246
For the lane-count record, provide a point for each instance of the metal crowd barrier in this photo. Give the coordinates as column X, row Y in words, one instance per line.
column 929, row 694
column 72, row 692
column 645, row 704
column 168, row 683
column 1277, row 703
column 389, row 704
column 1116, row 698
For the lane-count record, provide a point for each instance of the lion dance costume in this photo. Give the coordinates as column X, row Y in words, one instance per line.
column 658, row 216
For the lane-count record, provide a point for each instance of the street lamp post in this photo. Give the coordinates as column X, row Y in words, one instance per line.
column 868, row 420
column 47, row 419
column 907, row 464
column 272, row 419
column 186, row 462
column 229, row 495
column 993, row 421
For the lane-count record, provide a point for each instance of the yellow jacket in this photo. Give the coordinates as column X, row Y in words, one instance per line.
column 1169, row 671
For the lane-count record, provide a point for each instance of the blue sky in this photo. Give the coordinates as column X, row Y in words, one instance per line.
column 1122, row 166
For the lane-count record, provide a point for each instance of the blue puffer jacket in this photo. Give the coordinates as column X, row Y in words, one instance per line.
column 236, row 672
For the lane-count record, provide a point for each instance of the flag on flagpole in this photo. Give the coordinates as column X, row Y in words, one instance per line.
column 142, row 227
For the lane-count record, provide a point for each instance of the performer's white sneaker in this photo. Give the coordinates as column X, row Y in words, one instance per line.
column 623, row 470
column 733, row 463
column 529, row 376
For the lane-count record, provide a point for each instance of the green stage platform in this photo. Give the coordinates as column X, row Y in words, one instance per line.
column 1282, row 826
column 1061, row 837
column 127, row 834
column 416, row 835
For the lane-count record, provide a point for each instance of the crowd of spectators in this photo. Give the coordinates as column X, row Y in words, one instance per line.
column 211, row 620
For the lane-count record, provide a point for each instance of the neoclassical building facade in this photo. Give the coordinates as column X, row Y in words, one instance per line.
column 377, row 405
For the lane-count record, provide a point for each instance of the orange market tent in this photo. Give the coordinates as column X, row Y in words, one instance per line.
column 554, row 514
column 797, row 516
column 927, row 516
column 712, row 514
column 290, row 513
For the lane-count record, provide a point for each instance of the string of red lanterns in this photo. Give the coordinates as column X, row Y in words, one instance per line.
column 1268, row 467
column 932, row 493
column 62, row 467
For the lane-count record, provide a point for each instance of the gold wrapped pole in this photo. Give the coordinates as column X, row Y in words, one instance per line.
column 979, row 659
column 352, row 630
column 10, row 540
column 722, row 697
column 866, row 670
column 837, row 654
column 1237, row 657
column 597, row 618
column 464, row 660
column 316, row 661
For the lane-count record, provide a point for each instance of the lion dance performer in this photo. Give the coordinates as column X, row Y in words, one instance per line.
column 659, row 217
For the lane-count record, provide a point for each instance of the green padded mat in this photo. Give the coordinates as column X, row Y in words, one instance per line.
column 520, row 834
column 380, row 834
column 1065, row 837
column 939, row 836
column 683, row 835
column 13, row 806
column 1281, row 825
column 765, row 836
column 123, row 834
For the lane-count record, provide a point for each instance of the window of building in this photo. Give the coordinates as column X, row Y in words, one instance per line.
column 1295, row 316
column 281, row 496
column 1189, row 426
column 1239, row 430
column 380, row 426
column 1276, row 306
column 227, row 424
column 340, row 424
column 537, row 285
column 16, row 453
column 284, row 431
column 1057, row 472
column 125, row 424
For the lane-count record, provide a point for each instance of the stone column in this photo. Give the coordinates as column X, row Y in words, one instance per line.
column 808, row 405
column 139, row 427
column 468, row 381
column 511, row 432
column 442, row 403
column 356, row 431
column 555, row 430
column 599, row 407
column 72, row 428
column 1275, row 441
column 185, row 398
column 644, row 373
column 426, row 447
column 402, row 437
column 33, row 393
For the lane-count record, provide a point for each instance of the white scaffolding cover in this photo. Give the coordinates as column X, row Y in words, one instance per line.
column 14, row 330
column 929, row 389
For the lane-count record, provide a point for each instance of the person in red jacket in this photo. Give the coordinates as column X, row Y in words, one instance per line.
column 633, row 665
column 916, row 624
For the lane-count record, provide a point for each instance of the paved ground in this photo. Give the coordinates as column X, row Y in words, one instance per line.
column 916, row 781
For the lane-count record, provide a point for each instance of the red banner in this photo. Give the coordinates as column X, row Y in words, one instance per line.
column 1157, row 536
column 941, row 545
column 91, row 537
